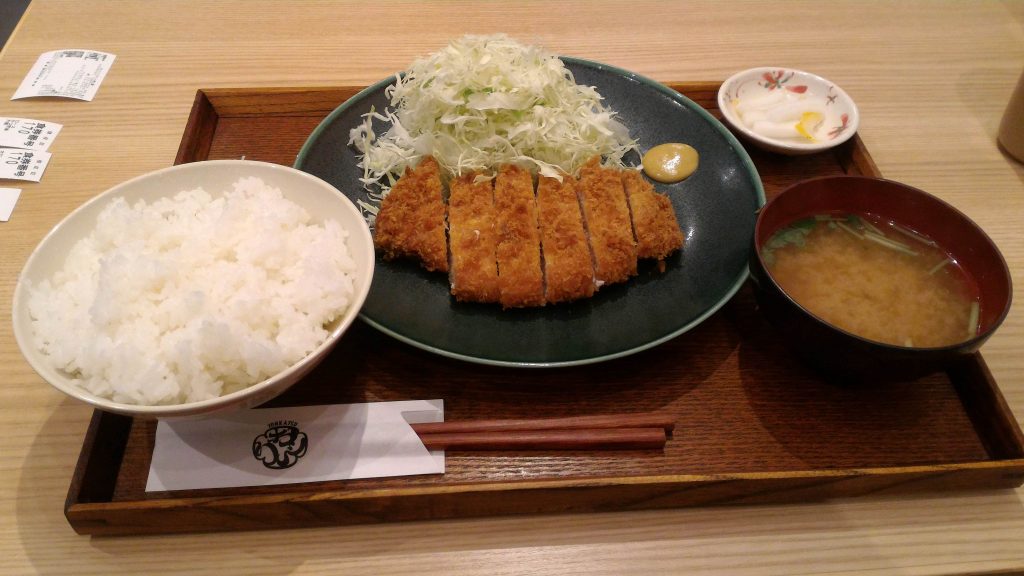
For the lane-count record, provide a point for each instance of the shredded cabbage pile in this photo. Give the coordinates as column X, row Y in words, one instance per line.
column 484, row 101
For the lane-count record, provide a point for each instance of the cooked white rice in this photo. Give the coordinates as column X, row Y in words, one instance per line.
column 193, row 297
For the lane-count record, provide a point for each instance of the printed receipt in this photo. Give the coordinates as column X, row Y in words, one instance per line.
column 67, row 74
column 16, row 164
column 27, row 133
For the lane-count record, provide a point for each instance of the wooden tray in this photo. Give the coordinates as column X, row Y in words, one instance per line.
column 752, row 426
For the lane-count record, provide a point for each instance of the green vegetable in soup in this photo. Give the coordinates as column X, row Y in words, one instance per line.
column 874, row 278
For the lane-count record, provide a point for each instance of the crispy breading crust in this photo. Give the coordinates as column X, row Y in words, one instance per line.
column 606, row 217
column 654, row 220
column 520, row 278
column 510, row 245
column 568, row 268
column 472, row 239
column 411, row 221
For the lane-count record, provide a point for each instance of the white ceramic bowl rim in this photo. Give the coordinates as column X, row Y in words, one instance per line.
column 53, row 376
column 853, row 122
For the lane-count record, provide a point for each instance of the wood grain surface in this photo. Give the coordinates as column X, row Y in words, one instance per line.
column 931, row 80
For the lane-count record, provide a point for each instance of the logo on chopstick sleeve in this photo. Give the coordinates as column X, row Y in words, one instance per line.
column 281, row 445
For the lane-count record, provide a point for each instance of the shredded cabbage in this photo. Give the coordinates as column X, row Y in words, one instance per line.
column 484, row 101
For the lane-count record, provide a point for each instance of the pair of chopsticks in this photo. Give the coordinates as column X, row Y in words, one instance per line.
column 604, row 432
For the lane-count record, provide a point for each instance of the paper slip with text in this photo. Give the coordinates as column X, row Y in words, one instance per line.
column 17, row 164
column 27, row 133
column 67, row 74
column 300, row 444
column 8, row 198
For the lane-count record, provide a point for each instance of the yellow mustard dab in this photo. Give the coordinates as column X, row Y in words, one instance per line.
column 671, row 162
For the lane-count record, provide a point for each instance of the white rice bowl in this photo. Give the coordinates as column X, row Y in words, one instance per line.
column 194, row 288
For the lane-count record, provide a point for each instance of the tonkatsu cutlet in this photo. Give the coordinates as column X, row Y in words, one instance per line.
column 472, row 238
column 507, row 243
column 520, row 279
column 568, row 267
column 410, row 222
column 654, row 220
column 606, row 217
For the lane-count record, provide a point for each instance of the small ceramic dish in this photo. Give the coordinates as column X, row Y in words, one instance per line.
column 787, row 111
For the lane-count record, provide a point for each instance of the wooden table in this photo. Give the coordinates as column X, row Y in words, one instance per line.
column 931, row 81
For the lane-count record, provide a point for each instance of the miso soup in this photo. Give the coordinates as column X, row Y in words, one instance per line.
column 876, row 279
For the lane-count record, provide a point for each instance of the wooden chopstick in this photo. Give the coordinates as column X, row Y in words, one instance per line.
column 603, row 432
column 574, row 439
column 632, row 420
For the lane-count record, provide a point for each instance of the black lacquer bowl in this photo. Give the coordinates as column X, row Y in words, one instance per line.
column 844, row 356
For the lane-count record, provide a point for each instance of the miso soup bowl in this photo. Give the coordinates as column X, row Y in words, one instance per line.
column 841, row 355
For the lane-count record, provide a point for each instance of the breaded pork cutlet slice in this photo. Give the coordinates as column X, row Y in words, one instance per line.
column 568, row 267
column 410, row 222
column 606, row 217
column 654, row 219
column 472, row 239
column 520, row 279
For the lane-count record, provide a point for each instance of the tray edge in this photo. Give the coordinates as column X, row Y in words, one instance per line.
column 308, row 508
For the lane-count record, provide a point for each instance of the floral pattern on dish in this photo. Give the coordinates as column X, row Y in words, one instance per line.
column 777, row 79
column 844, row 124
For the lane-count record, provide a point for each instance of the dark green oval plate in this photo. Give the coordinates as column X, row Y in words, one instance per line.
column 716, row 209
